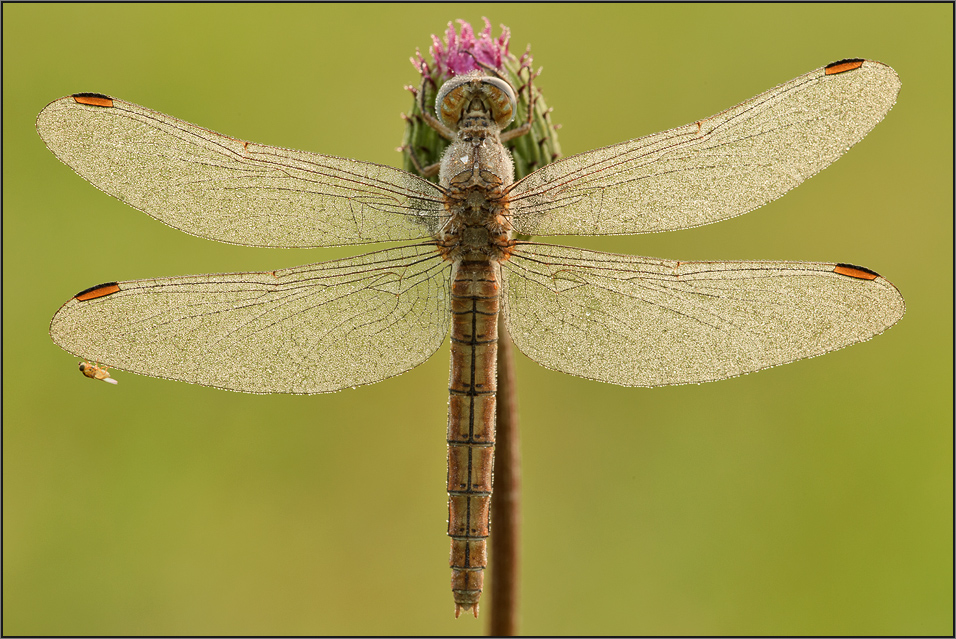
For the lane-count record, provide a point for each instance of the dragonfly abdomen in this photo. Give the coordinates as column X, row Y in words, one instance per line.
column 475, row 301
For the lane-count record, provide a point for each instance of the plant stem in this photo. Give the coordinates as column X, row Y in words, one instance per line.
column 506, row 499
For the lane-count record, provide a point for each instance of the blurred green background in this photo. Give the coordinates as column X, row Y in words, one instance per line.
column 814, row 498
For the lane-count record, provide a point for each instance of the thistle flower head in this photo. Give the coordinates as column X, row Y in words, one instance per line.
column 461, row 53
column 464, row 51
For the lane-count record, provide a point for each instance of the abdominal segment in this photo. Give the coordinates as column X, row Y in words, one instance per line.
column 475, row 302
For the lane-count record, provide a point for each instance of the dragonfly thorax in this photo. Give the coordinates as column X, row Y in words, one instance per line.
column 478, row 227
column 476, row 169
column 476, row 177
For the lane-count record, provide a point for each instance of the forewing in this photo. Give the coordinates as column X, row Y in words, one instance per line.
column 638, row 321
column 221, row 188
column 310, row 329
column 712, row 169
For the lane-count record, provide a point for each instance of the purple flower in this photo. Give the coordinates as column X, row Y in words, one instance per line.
column 459, row 52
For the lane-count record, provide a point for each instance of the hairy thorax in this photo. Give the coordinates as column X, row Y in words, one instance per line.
column 476, row 171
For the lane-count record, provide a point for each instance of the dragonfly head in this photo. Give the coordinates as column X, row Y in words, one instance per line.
column 475, row 92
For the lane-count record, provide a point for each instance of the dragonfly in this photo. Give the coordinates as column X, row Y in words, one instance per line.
column 464, row 264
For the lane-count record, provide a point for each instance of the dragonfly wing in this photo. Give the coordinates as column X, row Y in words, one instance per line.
column 638, row 321
column 221, row 188
column 310, row 329
column 713, row 169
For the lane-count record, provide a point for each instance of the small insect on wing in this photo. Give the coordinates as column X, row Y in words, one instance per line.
column 96, row 372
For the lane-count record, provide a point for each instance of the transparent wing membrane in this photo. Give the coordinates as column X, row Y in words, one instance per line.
column 626, row 320
column 309, row 329
column 217, row 187
column 713, row 169
column 638, row 321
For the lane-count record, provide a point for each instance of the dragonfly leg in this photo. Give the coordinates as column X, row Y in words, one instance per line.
column 532, row 100
column 430, row 119
column 429, row 171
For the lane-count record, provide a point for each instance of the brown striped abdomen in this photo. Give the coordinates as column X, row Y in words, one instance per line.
column 475, row 302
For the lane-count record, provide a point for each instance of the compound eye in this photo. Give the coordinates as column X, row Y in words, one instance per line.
column 451, row 100
column 501, row 97
column 457, row 93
